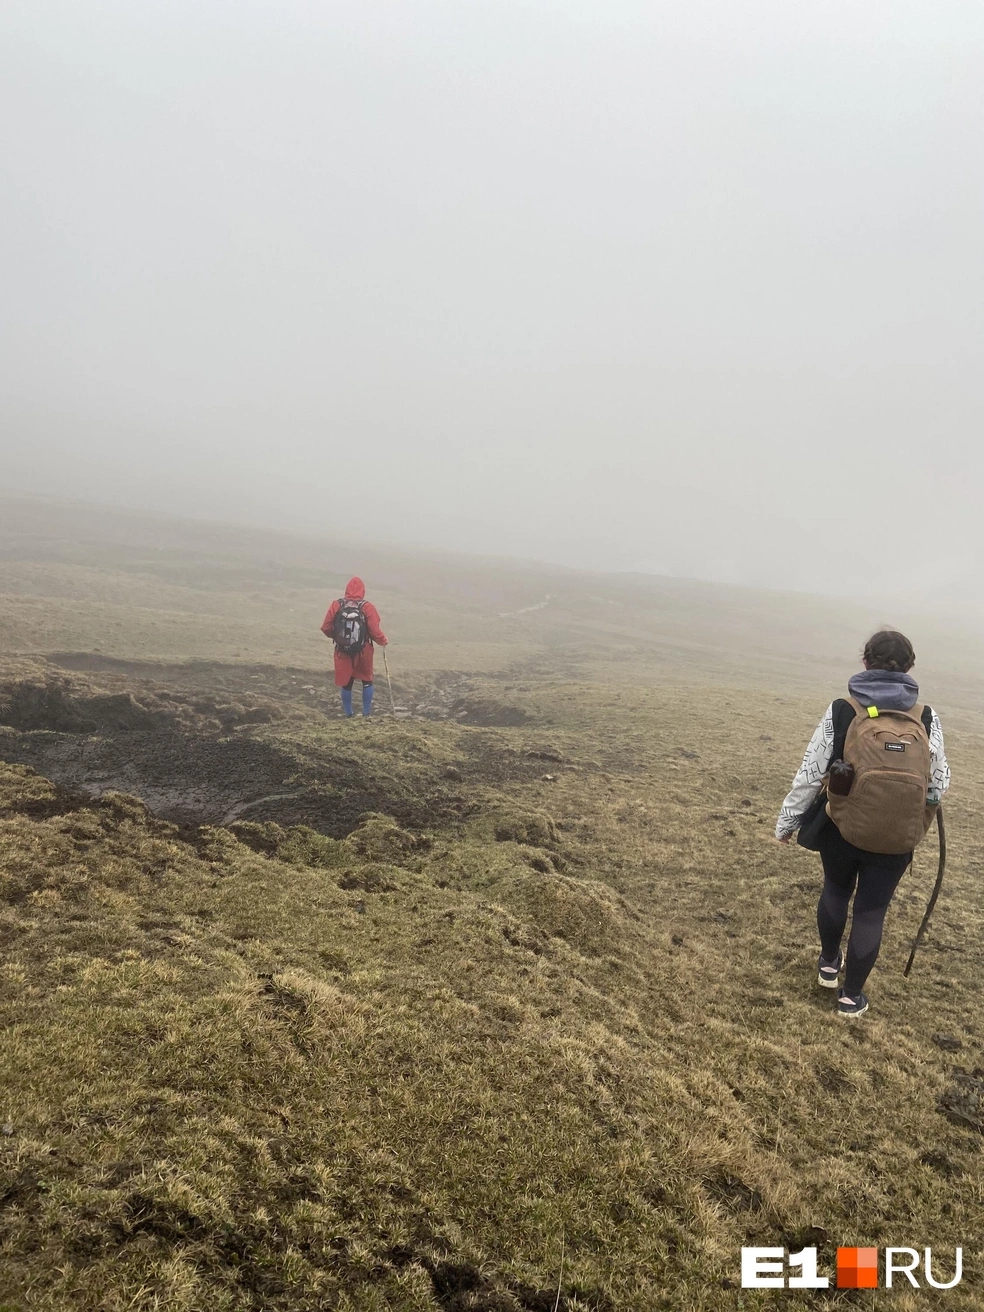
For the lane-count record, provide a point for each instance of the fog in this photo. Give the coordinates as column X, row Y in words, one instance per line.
column 690, row 288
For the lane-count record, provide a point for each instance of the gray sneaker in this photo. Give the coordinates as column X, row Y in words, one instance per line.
column 852, row 1006
column 828, row 971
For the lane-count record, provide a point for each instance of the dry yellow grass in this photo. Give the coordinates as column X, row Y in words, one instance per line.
column 551, row 993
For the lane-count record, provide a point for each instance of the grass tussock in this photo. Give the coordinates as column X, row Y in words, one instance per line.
column 509, row 1008
column 262, row 1067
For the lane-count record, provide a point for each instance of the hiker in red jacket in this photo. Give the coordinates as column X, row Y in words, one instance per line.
column 352, row 623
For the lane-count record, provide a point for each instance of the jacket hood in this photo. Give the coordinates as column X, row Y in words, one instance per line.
column 889, row 690
column 355, row 589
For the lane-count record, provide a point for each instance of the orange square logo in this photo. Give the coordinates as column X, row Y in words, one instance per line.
column 857, row 1268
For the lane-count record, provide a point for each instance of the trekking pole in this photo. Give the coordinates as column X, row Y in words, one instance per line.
column 389, row 683
column 936, row 890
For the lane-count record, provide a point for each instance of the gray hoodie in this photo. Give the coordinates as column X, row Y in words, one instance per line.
column 889, row 690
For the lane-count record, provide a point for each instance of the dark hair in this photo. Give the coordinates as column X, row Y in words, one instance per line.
column 889, row 650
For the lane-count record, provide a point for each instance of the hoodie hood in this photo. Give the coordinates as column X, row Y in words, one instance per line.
column 355, row 589
column 889, row 690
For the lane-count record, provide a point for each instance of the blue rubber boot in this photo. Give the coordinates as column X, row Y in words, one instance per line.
column 347, row 701
column 367, row 692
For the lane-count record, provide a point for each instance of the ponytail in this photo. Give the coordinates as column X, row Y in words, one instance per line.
column 889, row 650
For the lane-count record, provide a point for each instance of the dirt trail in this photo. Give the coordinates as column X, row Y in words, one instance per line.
column 527, row 610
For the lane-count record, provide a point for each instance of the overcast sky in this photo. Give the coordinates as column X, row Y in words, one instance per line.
column 691, row 287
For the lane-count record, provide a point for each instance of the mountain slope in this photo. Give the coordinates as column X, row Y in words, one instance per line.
column 508, row 1005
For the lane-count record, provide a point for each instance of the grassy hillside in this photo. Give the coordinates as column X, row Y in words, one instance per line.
column 504, row 1006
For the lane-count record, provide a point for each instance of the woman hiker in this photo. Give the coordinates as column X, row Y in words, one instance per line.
column 866, row 793
column 352, row 623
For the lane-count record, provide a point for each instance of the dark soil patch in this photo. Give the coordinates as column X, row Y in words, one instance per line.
column 194, row 779
column 963, row 1102
column 26, row 705
column 60, row 706
column 948, row 1042
column 461, row 1287
column 19, row 1189
column 545, row 754
column 437, row 699
column 734, row 1193
column 88, row 661
column 833, row 1080
column 210, row 677
column 939, row 1162
column 190, row 780
column 217, row 779
column 487, row 711
column 365, row 881
column 177, row 736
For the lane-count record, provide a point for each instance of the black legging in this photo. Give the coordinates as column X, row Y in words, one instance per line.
column 876, row 875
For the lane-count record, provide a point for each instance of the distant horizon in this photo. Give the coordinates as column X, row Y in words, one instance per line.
column 424, row 551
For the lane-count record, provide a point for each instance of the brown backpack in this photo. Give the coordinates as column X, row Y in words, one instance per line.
column 886, row 810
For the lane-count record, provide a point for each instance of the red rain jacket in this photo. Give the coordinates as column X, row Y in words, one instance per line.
column 358, row 667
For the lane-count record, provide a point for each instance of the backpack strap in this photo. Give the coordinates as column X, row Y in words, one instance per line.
column 844, row 711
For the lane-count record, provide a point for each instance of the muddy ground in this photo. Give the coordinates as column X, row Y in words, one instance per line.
column 204, row 742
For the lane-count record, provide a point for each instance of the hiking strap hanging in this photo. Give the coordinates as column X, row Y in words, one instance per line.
column 936, row 890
